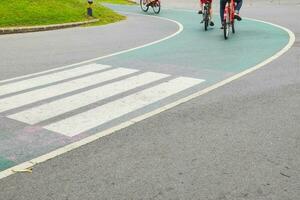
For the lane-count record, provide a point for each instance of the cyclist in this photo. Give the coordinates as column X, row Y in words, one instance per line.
column 148, row 2
column 202, row 2
column 238, row 6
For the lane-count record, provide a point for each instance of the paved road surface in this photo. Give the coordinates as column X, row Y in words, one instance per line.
column 35, row 52
column 238, row 142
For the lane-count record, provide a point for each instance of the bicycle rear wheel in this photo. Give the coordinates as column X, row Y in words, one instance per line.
column 156, row 6
column 143, row 5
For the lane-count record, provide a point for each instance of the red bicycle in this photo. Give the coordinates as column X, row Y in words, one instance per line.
column 229, row 18
column 155, row 4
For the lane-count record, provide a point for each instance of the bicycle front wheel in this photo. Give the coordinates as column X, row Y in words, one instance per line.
column 226, row 25
column 144, row 6
column 232, row 27
column 206, row 20
column 156, row 6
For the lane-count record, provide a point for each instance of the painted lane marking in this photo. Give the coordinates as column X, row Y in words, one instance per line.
column 50, row 78
column 55, row 108
column 90, row 119
column 55, row 90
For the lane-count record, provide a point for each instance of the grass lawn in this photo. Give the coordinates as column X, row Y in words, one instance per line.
column 44, row 12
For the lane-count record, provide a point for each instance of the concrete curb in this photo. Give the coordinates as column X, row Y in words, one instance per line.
column 27, row 29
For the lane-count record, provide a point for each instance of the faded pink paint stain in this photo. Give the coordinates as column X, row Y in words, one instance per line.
column 28, row 133
column 12, row 157
column 32, row 129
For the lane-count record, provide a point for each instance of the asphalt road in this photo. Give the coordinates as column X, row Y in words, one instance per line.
column 240, row 141
column 35, row 52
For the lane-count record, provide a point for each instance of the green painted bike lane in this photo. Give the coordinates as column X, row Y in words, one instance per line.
column 192, row 53
column 201, row 54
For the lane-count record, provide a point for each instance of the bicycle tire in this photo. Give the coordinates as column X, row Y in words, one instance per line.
column 156, row 7
column 206, row 25
column 233, row 27
column 144, row 7
column 205, row 20
column 225, row 31
column 226, row 27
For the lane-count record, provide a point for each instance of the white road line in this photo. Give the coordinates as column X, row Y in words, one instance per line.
column 87, row 120
column 50, row 78
column 55, row 90
column 55, row 108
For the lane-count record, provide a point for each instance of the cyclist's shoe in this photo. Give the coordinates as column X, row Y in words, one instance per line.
column 223, row 23
column 237, row 17
column 211, row 23
column 200, row 12
column 202, row 22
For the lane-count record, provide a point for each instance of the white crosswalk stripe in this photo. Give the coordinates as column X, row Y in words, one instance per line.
column 140, row 95
column 55, row 90
column 100, row 115
column 46, row 111
column 50, row 78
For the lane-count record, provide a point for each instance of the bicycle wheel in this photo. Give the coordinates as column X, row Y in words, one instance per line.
column 205, row 20
column 143, row 5
column 205, row 17
column 156, row 6
column 232, row 27
column 226, row 28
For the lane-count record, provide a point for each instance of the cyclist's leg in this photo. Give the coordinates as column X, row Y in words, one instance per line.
column 222, row 8
column 201, row 7
column 238, row 7
column 211, row 14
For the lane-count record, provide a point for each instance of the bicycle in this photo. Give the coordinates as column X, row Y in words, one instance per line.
column 229, row 18
column 206, row 15
column 155, row 4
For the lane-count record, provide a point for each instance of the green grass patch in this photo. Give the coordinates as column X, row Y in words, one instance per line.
column 45, row 12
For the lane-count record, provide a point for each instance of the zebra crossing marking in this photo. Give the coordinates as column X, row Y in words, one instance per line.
column 49, row 78
column 87, row 120
column 62, row 88
column 55, row 108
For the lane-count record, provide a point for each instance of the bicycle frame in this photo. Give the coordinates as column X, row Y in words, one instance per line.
column 229, row 18
column 206, row 15
column 207, row 7
column 229, row 10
